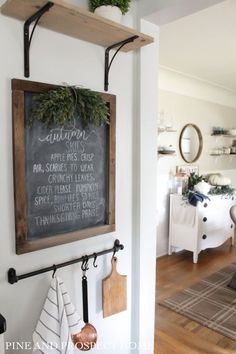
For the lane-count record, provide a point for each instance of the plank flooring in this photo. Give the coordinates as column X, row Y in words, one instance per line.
column 174, row 333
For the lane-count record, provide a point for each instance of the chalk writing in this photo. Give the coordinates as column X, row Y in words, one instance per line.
column 66, row 179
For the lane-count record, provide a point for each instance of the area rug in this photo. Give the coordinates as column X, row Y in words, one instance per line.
column 209, row 302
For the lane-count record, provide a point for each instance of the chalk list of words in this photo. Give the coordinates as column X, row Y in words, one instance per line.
column 66, row 179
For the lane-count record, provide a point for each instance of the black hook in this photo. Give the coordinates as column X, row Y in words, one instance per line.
column 84, row 265
column 54, row 270
column 116, row 247
column 94, row 261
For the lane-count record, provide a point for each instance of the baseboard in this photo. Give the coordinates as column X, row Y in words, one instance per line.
column 161, row 255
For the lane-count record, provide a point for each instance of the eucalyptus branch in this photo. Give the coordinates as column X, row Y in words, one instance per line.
column 226, row 191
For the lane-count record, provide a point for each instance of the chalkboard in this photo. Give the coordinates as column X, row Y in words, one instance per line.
column 64, row 176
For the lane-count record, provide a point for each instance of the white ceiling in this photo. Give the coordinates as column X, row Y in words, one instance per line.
column 203, row 44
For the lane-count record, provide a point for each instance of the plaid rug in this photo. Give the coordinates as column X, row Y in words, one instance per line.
column 209, row 302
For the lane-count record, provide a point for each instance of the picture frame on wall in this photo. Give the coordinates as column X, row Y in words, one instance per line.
column 187, row 169
column 64, row 177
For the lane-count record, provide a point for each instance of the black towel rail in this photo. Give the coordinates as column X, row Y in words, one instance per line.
column 14, row 278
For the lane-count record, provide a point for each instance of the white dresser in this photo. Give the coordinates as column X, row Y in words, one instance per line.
column 196, row 228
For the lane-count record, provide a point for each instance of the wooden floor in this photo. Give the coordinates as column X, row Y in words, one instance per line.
column 175, row 334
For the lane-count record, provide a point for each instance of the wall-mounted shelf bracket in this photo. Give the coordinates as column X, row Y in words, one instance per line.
column 77, row 23
column 108, row 63
column 28, row 37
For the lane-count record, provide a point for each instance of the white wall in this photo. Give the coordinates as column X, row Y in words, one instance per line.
column 205, row 115
column 81, row 3
column 191, row 101
column 58, row 59
column 144, row 177
column 177, row 82
column 165, row 11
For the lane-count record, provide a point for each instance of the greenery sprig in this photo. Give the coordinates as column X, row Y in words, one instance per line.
column 225, row 191
column 193, row 180
column 64, row 104
column 122, row 4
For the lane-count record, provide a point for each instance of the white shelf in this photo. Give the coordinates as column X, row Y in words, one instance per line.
column 222, row 155
column 229, row 136
column 165, row 155
column 166, row 130
column 223, row 135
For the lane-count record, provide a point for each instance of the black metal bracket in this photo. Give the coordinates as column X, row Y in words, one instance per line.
column 28, row 37
column 14, row 278
column 108, row 63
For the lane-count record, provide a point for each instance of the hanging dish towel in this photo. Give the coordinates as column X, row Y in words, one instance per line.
column 57, row 322
column 184, row 214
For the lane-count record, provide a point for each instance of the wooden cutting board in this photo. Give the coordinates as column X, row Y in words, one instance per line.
column 114, row 291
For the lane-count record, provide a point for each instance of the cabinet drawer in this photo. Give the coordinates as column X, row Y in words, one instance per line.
column 215, row 215
column 216, row 205
column 214, row 222
column 215, row 238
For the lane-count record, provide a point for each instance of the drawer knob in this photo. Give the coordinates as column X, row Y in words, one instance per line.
column 204, row 237
column 204, row 219
column 205, row 205
column 231, row 226
column 232, row 198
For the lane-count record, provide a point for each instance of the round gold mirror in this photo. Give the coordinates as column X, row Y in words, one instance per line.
column 190, row 143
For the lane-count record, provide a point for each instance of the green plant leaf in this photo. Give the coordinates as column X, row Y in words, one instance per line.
column 122, row 4
column 226, row 191
column 62, row 105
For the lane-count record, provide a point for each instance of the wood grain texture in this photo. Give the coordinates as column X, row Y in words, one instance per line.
column 22, row 244
column 19, row 163
column 114, row 289
column 76, row 22
column 174, row 333
column 25, row 246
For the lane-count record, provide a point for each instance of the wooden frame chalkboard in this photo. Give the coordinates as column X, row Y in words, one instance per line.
column 33, row 195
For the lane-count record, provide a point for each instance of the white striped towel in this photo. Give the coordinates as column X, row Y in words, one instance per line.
column 57, row 322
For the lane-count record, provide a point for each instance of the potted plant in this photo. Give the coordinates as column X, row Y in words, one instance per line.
column 111, row 9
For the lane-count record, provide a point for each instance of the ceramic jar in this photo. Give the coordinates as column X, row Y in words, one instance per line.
column 112, row 13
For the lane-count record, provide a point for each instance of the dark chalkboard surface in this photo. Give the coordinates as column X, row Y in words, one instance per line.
column 65, row 186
